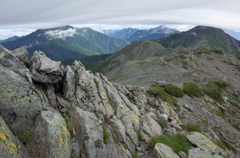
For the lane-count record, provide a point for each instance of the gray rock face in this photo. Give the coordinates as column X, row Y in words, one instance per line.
column 22, row 54
column 90, row 133
column 204, row 144
column 116, row 151
column 161, row 83
column 150, row 126
column 13, row 63
column 44, row 70
column 198, row 153
column 69, row 80
column 10, row 146
column 52, row 138
column 163, row 151
column 19, row 101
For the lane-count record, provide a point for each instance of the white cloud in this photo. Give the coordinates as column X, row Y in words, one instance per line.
column 107, row 14
column 53, row 34
column 6, row 33
column 43, row 14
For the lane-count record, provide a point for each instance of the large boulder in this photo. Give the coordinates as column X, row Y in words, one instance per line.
column 44, row 70
column 150, row 126
column 22, row 54
column 205, row 144
column 11, row 62
column 199, row 153
column 51, row 139
column 164, row 151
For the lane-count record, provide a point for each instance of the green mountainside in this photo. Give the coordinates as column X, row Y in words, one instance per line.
column 135, row 51
column 61, row 50
column 64, row 43
column 202, row 37
column 94, row 58
column 144, row 62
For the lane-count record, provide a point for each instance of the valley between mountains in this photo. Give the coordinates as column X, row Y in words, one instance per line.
column 78, row 93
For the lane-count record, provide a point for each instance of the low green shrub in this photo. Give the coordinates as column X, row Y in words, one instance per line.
column 184, row 65
column 115, row 78
column 163, row 64
column 136, row 89
column 134, row 155
column 213, row 92
column 183, row 52
column 158, row 92
column 70, row 127
column 191, row 127
column 174, row 90
column 219, row 83
column 177, row 142
column 161, row 122
column 105, row 134
column 98, row 143
column 26, row 134
column 192, row 90
column 216, row 51
column 182, row 56
column 139, row 134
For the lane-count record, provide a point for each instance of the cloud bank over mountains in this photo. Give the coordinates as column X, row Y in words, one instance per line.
column 43, row 14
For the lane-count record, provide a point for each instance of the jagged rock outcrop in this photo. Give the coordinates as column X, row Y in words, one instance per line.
column 69, row 112
column 44, row 70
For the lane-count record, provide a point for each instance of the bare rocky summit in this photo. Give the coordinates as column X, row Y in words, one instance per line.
column 47, row 110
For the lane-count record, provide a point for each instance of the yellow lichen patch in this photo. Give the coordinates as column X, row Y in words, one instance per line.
column 93, row 83
column 134, row 116
column 135, row 109
column 18, row 146
column 121, row 105
column 3, row 136
column 13, row 146
column 64, row 130
column 60, row 140
column 103, row 95
column 166, row 108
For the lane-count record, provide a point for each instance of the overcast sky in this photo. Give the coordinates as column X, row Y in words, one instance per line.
column 33, row 14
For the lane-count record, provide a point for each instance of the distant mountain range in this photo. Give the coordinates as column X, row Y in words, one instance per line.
column 133, row 34
column 132, row 58
column 63, row 43
column 10, row 39
column 234, row 34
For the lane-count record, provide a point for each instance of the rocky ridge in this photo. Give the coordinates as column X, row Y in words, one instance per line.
column 48, row 110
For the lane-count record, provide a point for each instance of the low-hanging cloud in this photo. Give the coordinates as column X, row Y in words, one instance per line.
column 43, row 14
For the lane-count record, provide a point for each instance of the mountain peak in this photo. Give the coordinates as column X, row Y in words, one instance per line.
column 57, row 32
column 205, row 30
column 202, row 36
column 58, row 28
